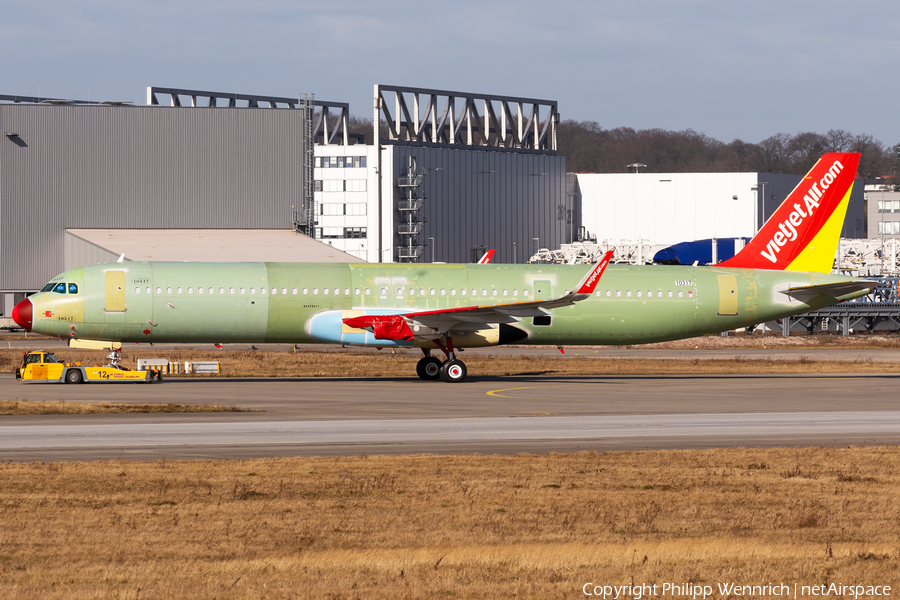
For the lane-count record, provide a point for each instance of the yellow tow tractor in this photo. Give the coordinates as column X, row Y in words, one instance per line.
column 40, row 366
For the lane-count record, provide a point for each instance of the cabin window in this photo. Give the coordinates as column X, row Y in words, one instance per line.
column 315, row 291
column 137, row 290
column 618, row 293
column 494, row 292
column 346, row 291
column 231, row 290
column 243, row 291
column 659, row 294
column 294, row 291
column 147, row 290
column 399, row 292
column 690, row 293
column 443, row 292
column 484, row 292
column 453, row 292
column 275, row 291
column 159, row 290
column 628, row 293
column 505, row 293
column 367, row 291
column 324, row 291
column 608, row 293
column 168, row 290
column 432, row 291
column 670, row 293
column 221, row 290
column 355, row 292
column 412, row 291
column 199, row 290
column 515, row 292
column 179, row 289
column 462, row 292
column 524, row 292
column 639, row 293
column 383, row 292
column 421, row 291
column 284, row 291
column 190, row 290
column 680, row 294
column 212, row 291
column 305, row 291
column 337, row 291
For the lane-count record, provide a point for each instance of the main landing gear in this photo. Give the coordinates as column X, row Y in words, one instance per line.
column 451, row 370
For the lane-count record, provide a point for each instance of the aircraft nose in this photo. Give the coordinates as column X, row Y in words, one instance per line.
column 21, row 314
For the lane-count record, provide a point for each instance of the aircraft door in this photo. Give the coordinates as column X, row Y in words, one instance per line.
column 115, row 292
column 542, row 289
column 728, row 296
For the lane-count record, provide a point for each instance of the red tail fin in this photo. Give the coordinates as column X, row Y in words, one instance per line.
column 803, row 234
column 487, row 257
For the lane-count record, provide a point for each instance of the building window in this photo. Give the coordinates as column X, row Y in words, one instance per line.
column 317, row 185
column 889, row 227
column 340, row 162
column 355, row 233
column 355, row 209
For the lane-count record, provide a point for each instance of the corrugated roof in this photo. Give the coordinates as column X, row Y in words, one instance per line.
column 212, row 245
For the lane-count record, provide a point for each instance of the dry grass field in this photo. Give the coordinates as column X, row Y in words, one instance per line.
column 310, row 363
column 448, row 526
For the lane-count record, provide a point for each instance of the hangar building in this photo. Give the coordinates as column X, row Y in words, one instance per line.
column 668, row 208
column 449, row 175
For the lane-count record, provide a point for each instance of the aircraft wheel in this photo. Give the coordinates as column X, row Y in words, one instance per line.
column 453, row 371
column 73, row 376
column 429, row 368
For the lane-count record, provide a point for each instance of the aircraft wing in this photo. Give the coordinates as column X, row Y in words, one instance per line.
column 432, row 324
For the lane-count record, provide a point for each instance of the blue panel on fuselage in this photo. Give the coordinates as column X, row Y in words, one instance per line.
column 328, row 326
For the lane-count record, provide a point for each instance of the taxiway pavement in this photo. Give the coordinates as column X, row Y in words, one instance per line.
column 487, row 415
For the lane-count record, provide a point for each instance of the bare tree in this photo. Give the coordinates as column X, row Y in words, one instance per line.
column 805, row 149
column 838, row 140
column 772, row 154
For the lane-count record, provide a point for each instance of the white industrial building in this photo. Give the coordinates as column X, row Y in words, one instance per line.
column 668, row 208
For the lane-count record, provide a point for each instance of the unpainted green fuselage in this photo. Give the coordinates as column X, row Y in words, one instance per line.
column 275, row 302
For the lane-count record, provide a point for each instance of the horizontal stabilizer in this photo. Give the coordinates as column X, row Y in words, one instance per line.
column 835, row 290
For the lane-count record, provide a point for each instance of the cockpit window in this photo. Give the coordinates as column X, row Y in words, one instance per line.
column 48, row 287
column 73, row 288
column 60, row 288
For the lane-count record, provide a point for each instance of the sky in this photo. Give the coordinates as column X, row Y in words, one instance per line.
column 730, row 70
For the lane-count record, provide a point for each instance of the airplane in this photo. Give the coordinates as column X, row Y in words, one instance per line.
column 486, row 257
column 783, row 271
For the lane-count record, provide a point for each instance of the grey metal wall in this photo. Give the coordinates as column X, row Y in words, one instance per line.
column 490, row 199
column 138, row 167
column 779, row 186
